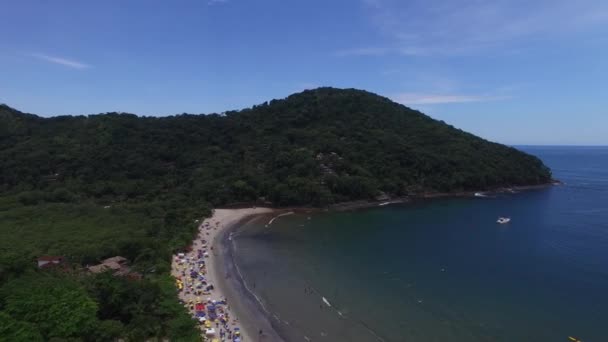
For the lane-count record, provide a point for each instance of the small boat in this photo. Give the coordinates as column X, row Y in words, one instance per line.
column 480, row 194
column 384, row 203
column 503, row 220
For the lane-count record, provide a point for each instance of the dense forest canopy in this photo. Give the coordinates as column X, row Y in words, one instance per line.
column 97, row 186
column 313, row 148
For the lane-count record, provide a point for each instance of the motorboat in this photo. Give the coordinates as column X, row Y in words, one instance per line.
column 503, row 220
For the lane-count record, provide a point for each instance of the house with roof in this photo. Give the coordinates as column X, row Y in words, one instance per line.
column 49, row 260
column 115, row 264
column 119, row 266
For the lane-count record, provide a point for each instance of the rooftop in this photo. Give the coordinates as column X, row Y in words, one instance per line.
column 50, row 258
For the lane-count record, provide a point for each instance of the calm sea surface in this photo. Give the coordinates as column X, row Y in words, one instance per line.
column 443, row 270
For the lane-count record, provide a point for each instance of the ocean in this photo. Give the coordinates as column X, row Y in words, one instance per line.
column 443, row 269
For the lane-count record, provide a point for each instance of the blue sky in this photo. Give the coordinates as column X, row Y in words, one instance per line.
column 516, row 72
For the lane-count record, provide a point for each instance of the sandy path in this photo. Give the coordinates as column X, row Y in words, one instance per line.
column 209, row 230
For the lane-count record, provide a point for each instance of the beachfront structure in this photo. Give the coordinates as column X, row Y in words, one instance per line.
column 116, row 264
column 48, row 260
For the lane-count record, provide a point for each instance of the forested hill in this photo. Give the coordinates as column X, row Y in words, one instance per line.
column 92, row 187
column 313, row 148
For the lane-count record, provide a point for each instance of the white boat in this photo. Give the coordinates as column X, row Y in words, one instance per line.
column 384, row 203
column 503, row 220
column 480, row 194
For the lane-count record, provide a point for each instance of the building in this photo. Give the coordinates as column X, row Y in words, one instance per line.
column 119, row 266
column 48, row 260
column 115, row 264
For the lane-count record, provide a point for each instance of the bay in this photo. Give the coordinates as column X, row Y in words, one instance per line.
column 444, row 270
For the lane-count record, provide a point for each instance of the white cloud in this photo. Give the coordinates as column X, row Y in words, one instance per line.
column 421, row 98
column 61, row 61
column 215, row 2
column 447, row 27
column 365, row 51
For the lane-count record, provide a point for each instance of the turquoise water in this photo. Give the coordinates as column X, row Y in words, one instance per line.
column 443, row 270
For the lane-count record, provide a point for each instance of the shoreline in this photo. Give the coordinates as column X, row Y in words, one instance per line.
column 366, row 204
column 371, row 203
column 245, row 307
column 255, row 316
column 214, row 230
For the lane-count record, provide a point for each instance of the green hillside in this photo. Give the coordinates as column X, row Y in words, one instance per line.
column 313, row 148
column 97, row 186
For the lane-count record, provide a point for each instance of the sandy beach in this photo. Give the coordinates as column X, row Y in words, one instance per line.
column 210, row 287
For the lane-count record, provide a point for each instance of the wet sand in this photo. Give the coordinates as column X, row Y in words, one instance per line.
column 255, row 316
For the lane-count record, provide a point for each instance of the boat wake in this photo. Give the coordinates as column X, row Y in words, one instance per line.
column 280, row 215
column 329, row 304
column 359, row 321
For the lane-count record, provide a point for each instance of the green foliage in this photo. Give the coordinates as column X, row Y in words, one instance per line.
column 101, row 307
column 180, row 325
column 57, row 306
column 109, row 330
column 14, row 330
column 367, row 142
column 90, row 187
column 146, row 233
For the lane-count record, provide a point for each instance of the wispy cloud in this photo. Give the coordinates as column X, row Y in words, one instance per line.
column 364, row 51
column 381, row 51
column 216, row 2
column 420, row 98
column 61, row 61
column 447, row 27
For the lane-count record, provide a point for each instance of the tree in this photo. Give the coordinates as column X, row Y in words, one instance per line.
column 14, row 330
column 108, row 330
column 90, row 187
column 248, row 154
column 59, row 307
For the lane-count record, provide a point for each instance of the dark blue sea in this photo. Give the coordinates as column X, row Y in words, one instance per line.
column 444, row 270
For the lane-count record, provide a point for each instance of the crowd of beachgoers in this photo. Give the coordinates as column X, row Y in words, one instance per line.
column 197, row 273
column 197, row 290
